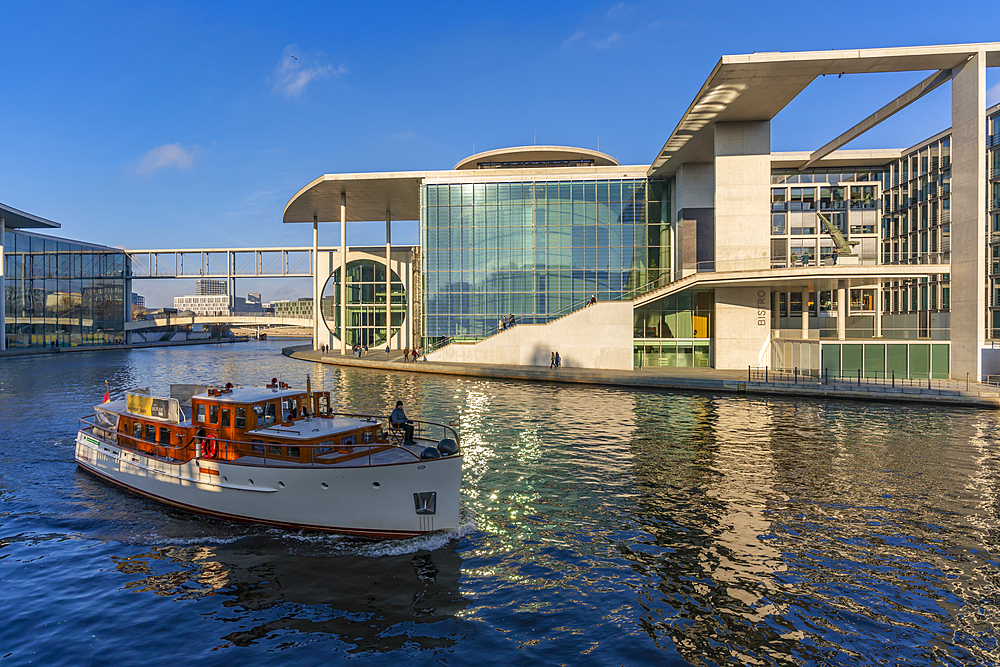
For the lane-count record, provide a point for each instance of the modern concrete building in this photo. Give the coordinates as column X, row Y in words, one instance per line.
column 720, row 252
column 57, row 291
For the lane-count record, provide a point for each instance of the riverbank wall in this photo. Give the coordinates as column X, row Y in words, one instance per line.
column 703, row 380
column 28, row 351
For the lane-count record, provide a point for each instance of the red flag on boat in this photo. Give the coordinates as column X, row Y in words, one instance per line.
column 107, row 393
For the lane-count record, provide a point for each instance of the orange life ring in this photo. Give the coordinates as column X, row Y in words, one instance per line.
column 209, row 448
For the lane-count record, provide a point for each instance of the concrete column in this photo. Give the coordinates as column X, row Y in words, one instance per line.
column 388, row 277
column 315, row 276
column 804, row 295
column 742, row 195
column 343, row 273
column 968, row 216
column 878, row 310
column 775, row 305
column 231, row 280
column 841, row 311
column 3, row 291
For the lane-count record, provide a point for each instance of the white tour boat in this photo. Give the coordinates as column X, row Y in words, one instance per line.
column 276, row 456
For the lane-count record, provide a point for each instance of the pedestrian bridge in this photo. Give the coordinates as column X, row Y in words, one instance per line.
column 235, row 320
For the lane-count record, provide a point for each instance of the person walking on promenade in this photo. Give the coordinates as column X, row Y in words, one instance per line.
column 386, row 351
column 552, row 363
column 406, row 354
column 499, row 324
column 503, row 323
column 836, row 254
column 416, row 353
column 511, row 319
column 558, row 360
column 399, row 419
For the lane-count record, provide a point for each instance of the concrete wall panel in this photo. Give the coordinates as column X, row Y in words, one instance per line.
column 598, row 336
column 742, row 195
column 742, row 327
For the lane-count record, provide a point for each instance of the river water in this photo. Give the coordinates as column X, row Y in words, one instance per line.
column 601, row 526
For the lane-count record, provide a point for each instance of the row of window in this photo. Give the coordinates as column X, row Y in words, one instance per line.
column 823, row 176
column 468, row 194
column 830, row 197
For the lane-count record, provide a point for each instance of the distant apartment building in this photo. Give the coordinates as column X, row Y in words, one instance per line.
column 217, row 305
column 301, row 308
column 209, row 287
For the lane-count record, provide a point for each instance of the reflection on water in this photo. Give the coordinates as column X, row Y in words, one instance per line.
column 364, row 601
column 603, row 526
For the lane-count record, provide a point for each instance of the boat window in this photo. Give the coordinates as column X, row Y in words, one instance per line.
column 257, row 447
column 293, row 452
column 164, row 435
column 367, row 436
column 241, row 417
column 348, row 440
column 136, row 430
column 323, row 448
column 269, row 413
column 201, row 412
column 225, row 418
column 213, row 414
column 274, row 449
column 150, row 433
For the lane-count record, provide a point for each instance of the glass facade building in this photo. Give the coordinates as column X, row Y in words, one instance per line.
column 63, row 292
column 535, row 249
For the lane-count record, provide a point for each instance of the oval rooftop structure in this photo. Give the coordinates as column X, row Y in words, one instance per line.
column 533, row 157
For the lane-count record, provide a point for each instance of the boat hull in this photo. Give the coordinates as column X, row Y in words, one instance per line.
column 378, row 501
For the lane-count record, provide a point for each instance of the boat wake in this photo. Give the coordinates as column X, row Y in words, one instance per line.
column 342, row 545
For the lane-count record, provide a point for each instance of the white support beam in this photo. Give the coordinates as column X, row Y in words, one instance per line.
column 343, row 273
column 388, row 277
column 906, row 99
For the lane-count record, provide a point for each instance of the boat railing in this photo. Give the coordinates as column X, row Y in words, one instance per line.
column 258, row 453
column 425, row 430
column 161, row 450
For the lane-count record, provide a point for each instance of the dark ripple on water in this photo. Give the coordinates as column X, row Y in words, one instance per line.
column 601, row 526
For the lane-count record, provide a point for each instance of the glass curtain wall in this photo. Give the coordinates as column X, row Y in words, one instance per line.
column 916, row 229
column 61, row 292
column 534, row 250
column 365, row 303
column 675, row 330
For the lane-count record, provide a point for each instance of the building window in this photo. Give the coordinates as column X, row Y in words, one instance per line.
column 803, row 199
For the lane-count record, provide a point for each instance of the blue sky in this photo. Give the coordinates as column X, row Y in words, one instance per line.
column 174, row 124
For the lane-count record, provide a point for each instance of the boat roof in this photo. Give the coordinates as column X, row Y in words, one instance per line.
column 314, row 428
column 250, row 394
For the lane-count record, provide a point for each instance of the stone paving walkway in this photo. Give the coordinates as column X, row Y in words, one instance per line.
column 683, row 379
